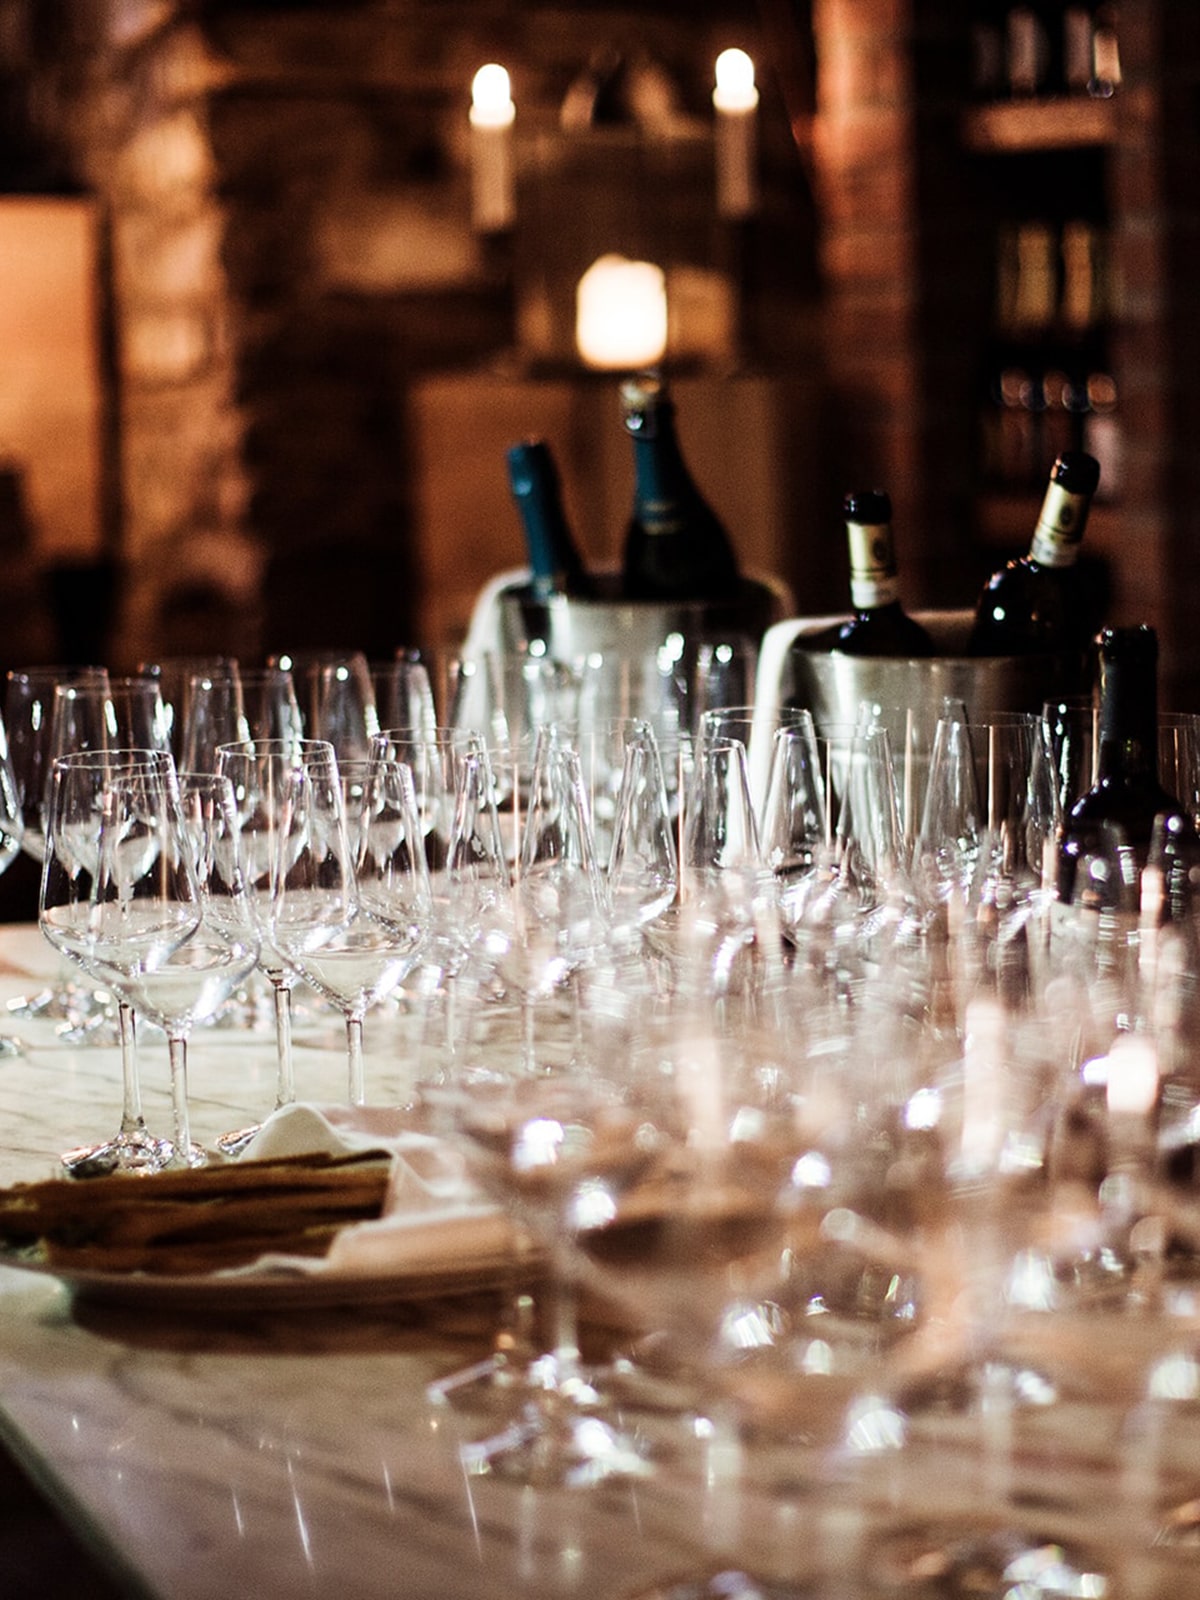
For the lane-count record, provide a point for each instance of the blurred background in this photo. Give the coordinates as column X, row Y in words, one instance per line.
column 273, row 304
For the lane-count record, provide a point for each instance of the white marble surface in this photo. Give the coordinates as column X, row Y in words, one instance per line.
column 287, row 1455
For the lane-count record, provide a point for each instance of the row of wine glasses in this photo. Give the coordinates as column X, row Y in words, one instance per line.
column 838, row 1210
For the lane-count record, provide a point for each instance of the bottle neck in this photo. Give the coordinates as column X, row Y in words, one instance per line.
column 663, row 485
column 1060, row 527
column 873, row 577
column 1128, row 732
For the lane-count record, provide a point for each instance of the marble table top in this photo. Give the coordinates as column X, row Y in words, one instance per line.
column 288, row 1453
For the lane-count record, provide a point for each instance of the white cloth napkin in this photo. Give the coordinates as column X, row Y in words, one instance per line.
column 435, row 1218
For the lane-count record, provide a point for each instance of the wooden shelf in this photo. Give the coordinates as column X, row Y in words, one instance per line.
column 1019, row 125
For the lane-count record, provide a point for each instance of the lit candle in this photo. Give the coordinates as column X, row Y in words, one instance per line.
column 621, row 314
column 736, row 101
column 493, row 198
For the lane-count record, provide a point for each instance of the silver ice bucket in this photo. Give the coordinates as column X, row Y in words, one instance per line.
column 628, row 646
column 910, row 694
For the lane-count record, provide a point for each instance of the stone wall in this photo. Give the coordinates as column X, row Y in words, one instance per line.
column 287, row 187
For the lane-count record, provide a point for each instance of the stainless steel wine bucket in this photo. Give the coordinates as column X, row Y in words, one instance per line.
column 624, row 638
column 572, row 629
column 910, row 694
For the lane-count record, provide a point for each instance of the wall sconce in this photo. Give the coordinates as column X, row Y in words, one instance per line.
column 493, row 188
column 621, row 314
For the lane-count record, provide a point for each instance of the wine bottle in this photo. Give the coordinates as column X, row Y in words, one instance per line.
column 1034, row 605
column 1127, row 793
column 555, row 564
column 880, row 625
column 676, row 547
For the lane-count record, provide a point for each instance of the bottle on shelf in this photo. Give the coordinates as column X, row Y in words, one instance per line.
column 1034, row 605
column 555, row 564
column 880, row 625
column 1127, row 795
column 1077, row 48
column 676, row 547
column 1029, row 50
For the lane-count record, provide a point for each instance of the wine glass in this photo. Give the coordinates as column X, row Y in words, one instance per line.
column 551, row 1138
column 403, row 693
column 643, row 866
column 29, row 702
column 236, row 707
column 258, row 772
column 127, row 713
column 351, row 923
column 176, row 676
column 175, row 936
column 66, row 913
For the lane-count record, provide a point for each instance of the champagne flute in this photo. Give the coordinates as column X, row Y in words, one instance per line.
column 351, row 923
column 175, row 935
column 66, row 916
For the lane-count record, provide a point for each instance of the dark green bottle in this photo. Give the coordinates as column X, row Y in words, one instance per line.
column 1127, row 795
column 880, row 625
column 1035, row 605
column 555, row 564
column 676, row 547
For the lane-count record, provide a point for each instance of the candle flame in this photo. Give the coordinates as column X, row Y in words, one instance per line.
column 735, row 90
column 491, row 97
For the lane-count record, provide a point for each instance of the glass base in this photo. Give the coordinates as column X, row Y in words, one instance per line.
column 552, row 1444
column 946, row 1560
column 727, row 1584
column 136, row 1152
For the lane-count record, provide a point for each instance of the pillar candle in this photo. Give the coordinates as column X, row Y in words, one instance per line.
column 493, row 196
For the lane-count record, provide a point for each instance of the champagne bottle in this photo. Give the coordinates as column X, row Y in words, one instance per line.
column 880, row 625
column 555, row 565
column 1034, row 605
column 676, row 547
column 1127, row 793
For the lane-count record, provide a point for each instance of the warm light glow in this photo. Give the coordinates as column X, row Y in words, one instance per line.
column 491, row 97
column 735, row 89
column 621, row 314
column 1132, row 1088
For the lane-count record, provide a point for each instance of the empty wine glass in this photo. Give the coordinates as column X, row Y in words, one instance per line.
column 175, row 936
column 794, row 826
column 404, row 694
column 66, row 914
column 643, row 867
column 553, row 1147
column 126, row 713
column 176, row 676
column 258, row 772
column 350, row 923
column 236, row 707
column 29, row 702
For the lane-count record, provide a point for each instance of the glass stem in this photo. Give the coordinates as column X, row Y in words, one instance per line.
column 177, row 1055
column 565, row 1312
column 528, row 1051
column 285, row 1072
column 131, row 1091
column 354, row 1052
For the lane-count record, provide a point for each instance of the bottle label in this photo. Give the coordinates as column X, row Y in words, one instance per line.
column 1060, row 528
column 873, row 579
column 661, row 518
